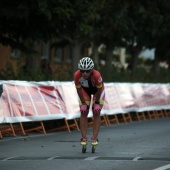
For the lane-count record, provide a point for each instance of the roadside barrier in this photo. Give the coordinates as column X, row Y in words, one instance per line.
column 24, row 102
column 7, row 129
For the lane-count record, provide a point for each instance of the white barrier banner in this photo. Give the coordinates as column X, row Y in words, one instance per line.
column 23, row 101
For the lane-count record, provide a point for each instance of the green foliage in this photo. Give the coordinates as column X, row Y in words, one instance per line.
column 114, row 23
column 34, row 75
column 8, row 73
column 116, row 75
column 30, row 74
column 141, row 76
column 31, row 19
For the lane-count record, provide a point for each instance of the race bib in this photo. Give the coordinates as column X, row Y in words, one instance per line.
column 84, row 82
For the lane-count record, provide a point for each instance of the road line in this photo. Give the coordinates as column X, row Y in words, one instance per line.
column 136, row 159
column 9, row 158
column 163, row 167
column 91, row 158
column 51, row 158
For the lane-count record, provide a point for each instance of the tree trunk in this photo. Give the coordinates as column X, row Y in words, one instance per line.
column 95, row 56
column 109, row 66
column 109, row 56
column 76, row 48
column 122, row 57
column 33, row 60
column 156, row 63
column 134, row 61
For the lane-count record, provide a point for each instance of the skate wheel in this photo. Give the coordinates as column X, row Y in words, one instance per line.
column 93, row 149
column 84, row 149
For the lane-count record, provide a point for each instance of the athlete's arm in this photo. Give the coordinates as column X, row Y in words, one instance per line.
column 80, row 94
column 99, row 85
column 78, row 86
column 98, row 94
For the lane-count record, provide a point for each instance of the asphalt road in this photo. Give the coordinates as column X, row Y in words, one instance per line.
column 140, row 145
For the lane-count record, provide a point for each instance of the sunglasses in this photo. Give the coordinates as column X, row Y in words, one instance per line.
column 83, row 71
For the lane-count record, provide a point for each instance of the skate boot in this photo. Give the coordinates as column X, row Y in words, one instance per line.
column 94, row 143
column 83, row 142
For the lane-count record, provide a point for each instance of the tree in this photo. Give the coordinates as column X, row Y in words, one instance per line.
column 110, row 27
column 79, row 28
column 38, row 20
column 115, row 23
column 34, row 20
column 160, row 37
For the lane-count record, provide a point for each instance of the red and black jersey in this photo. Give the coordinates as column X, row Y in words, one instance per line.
column 91, row 84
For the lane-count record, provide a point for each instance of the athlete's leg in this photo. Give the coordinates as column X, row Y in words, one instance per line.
column 83, row 116
column 96, row 124
column 83, row 124
column 97, row 117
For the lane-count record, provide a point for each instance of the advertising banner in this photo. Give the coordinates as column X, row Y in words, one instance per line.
column 23, row 101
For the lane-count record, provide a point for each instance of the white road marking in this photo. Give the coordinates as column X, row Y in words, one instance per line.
column 9, row 158
column 136, row 159
column 163, row 167
column 49, row 159
column 91, row 158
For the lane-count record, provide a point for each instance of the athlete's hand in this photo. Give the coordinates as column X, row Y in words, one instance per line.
column 97, row 108
column 83, row 108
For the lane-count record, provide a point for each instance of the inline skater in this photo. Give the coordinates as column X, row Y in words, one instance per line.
column 89, row 85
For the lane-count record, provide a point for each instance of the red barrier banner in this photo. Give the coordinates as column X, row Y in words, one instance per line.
column 136, row 97
column 30, row 102
column 1, row 112
column 23, row 101
column 70, row 98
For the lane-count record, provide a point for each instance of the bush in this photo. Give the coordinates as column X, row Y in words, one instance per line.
column 8, row 73
column 115, row 75
column 141, row 75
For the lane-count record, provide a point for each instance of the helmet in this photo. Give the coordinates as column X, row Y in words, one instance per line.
column 86, row 63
